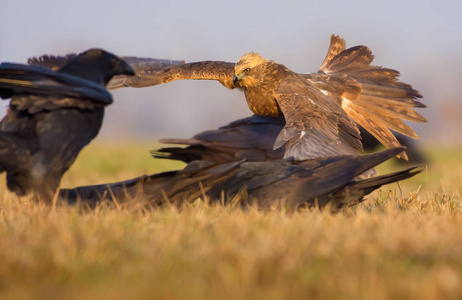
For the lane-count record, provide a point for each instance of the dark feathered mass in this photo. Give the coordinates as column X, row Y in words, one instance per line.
column 52, row 115
column 252, row 139
column 331, row 182
column 321, row 109
column 175, row 186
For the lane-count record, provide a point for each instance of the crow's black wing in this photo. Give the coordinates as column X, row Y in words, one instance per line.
column 250, row 138
column 38, row 81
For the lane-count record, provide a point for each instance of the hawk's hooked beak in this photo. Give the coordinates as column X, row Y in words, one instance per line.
column 235, row 79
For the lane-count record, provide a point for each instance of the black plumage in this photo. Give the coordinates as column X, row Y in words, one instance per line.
column 252, row 139
column 249, row 138
column 52, row 115
column 332, row 181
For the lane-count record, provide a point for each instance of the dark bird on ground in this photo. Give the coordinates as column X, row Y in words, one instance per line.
column 321, row 109
column 330, row 181
column 174, row 186
column 252, row 139
column 52, row 115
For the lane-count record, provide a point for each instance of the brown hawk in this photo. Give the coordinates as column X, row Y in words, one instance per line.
column 320, row 109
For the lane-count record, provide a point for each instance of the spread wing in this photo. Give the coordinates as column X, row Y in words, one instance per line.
column 376, row 100
column 315, row 125
column 203, row 70
column 152, row 71
column 149, row 71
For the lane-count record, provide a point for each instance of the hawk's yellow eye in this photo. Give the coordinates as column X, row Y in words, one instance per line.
column 247, row 70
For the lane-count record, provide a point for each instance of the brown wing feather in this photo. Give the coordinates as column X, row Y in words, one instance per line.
column 203, row 70
column 337, row 45
column 147, row 70
column 379, row 131
column 315, row 126
column 382, row 100
column 349, row 59
column 157, row 74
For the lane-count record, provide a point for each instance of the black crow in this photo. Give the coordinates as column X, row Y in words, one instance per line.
column 330, row 181
column 52, row 115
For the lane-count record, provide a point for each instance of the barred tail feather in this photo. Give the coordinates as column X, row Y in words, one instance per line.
column 379, row 131
column 385, row 117
column 337, row 45
column 382, row 102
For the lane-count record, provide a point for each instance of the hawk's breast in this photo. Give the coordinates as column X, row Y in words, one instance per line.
column 262, row 103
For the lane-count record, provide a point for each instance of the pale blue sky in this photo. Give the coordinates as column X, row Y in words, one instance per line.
column 422, row 39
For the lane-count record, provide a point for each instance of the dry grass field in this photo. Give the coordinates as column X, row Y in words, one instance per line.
column 404, row 242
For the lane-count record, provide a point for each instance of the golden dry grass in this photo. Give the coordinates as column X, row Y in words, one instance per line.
column 404, row 242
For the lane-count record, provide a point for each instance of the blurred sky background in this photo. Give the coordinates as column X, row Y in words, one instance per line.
column 421, row 39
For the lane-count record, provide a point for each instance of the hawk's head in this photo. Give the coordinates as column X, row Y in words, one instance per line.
column 247, row 71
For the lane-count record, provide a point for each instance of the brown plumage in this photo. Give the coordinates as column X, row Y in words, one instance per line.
column 321, row 109
column 316, row 126
column 331, row 181
column 372, row 96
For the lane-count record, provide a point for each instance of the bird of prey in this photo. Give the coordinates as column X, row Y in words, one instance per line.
column 252, row 139
column 52, row 115
column 328, row 181
column 321, row 109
